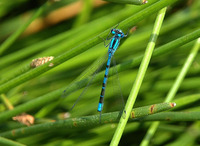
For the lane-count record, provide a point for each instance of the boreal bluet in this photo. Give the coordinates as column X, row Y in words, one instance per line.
column 113, row 45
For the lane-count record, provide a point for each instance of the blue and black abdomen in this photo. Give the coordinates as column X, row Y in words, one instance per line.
column 100, row 107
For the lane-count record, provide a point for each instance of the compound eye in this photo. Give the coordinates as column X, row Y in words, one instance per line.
column 113, row 31
column 120, row 35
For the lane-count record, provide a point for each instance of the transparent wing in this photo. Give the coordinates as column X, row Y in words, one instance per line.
column 85, row 77
column 117, row 83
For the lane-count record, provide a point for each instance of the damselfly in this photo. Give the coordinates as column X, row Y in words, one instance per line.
column 113, row 45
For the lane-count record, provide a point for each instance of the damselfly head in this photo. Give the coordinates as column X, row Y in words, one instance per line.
column 113, row 31
column 117, row 32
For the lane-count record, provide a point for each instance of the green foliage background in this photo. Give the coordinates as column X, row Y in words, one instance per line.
column 75, row 44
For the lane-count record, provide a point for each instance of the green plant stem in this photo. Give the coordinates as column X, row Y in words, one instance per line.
column 171, row 116
column 20, row 30
column 140, row 76
column 186, row 100
column 152, row 129
column 93, row 121
column 183, row 71
column 133, row 2
column 8, row 142
column 90, row 121
column 6, row 102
